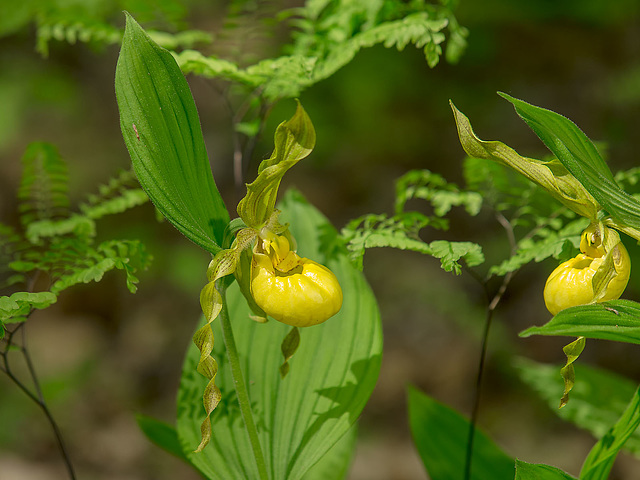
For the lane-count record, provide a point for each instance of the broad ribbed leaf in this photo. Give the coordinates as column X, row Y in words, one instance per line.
column 578, row 155
column 162, row 434
column 602, row 456
column 331, row 377
column 335, row 464
column 598, row 398
column 161, row 129
column 617, row 320
column 538, row 471
column 441, row 434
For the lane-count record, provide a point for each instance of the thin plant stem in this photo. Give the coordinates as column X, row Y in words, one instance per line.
column 38, row 397
column 491, row 307
column 241, row 387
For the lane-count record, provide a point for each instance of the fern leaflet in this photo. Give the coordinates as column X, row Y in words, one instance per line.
column 43, row 193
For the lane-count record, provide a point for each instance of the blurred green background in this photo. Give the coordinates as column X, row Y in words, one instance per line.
column 104, row 354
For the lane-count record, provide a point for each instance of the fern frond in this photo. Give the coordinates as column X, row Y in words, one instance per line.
column 127, row 255
column 402, row 232
column 76, row 225
column 192, row 61
column 43, row 192
column 554, row 240
column 120, row 194
column 18, row 306
column 372, row 231
column 10, row 243
column 54, row 257
column 442, row 195
column 72, row 30
column 330, row 34
column 184, row 39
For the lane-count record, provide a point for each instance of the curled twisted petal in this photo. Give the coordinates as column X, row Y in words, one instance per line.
column 208, row 367
column 223, row 264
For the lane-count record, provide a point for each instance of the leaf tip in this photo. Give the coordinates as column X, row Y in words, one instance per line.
column 528, row 332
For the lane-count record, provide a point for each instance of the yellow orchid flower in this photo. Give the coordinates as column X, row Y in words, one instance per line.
column 575, row 282
column 291, row 289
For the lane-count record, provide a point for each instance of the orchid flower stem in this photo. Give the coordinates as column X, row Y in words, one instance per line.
column 241, row 387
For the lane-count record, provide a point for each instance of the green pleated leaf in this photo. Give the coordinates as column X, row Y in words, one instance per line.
column 161, row 129
column 602, row 456
column 331, row 376
column 581, row 158
column 335, row 464
column 538, row 471
column 617, row 320
column 598, row 398
column 441, row 434
column 161, row 434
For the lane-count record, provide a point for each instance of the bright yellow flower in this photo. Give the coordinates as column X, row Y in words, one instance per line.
column 291, row 289
column 571, row 283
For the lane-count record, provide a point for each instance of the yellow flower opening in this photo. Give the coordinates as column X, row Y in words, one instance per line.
column 572, row 282
column 292, row 289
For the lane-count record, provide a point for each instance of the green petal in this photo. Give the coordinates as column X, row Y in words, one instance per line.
column 294, row 140
column 552, row 176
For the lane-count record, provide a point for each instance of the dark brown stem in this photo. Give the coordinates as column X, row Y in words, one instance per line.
column 492, row 304
column 38, row 397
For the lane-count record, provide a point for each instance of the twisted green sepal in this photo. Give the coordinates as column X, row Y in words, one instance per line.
column 289, row 345
column 607, row 270
column 223, row 264
column 551, row 175
column 572, row 351
column 294, row 140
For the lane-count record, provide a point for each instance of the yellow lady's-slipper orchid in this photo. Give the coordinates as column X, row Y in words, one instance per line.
column 571, row 283
column 291, row 289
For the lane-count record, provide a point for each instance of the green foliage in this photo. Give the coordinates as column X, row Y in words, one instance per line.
column 72, row 30
column 602, row 456
column 541, row 227
column 161, row 129
column 43, row 193
column 537, row 471
column 299, row 418
column 162, row 434
column 120, row 194
column 433, row 188
column 441, row 434
column 581, row 158
column 402, row 230
column 617, row 320
column 598, row 398
column 328, row 36
column 372, row 231
column 127, row 255
column 18, row 306
column 91, row 22
column 556, row 239
column 59, row 243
